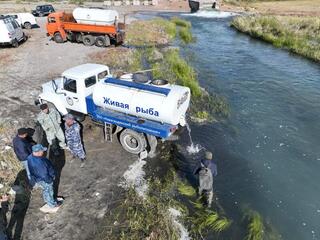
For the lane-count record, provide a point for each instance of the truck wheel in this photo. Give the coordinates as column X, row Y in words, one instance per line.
column 58, row 38
column 27, row 25
column 15, row 43
column 100, row 42
column 78, row 38
column 132, row 141
column 88, row 40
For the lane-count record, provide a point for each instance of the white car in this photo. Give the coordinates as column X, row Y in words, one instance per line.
column 26, row 20
column 10, row 32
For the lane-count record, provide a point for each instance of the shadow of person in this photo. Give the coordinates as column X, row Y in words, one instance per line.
column 3, row 219
column 21, row 204
column 58, row 159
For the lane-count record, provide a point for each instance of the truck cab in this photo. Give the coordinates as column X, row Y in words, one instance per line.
column 68, row 93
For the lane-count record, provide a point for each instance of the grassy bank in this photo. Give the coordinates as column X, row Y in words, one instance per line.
column 152, row 217
column 300, row 35
column 157, row 32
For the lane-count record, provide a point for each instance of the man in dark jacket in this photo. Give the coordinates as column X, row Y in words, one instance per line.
column 206, row 169
column 43, row 174
column 22, row 148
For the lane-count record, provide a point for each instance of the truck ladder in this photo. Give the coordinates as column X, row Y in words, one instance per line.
column 108, row 132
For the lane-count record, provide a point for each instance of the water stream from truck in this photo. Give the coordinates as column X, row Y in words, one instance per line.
column 192, row 148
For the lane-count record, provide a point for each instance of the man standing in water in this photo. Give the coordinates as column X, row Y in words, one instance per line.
column 50, row 121
column 206, row 170
column 73, row 137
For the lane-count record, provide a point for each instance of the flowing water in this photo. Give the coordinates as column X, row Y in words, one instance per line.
column 268, row 151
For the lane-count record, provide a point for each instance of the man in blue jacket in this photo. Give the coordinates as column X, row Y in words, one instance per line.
column 43, row 174
column 22, row 148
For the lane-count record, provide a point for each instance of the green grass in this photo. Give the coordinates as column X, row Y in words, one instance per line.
column 202, row 115
column 186, row 189
column 300, row 35
column 205, row 220
column 255, row 227
column 176, row 70
column 186, row 35
column 157, row 31
column 181, row 22
column 120, row 60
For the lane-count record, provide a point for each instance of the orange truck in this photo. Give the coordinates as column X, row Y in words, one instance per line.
column 62, row 27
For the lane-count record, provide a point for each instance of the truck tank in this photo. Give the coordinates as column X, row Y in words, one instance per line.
column 95, row 16
column 156, row 100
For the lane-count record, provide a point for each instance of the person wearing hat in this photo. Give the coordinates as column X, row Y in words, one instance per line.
column 50, row 121
column 73, row 137
column 22, row 148
column 43, row 174
column 206, row 169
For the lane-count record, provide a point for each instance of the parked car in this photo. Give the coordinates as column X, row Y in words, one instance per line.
column 43, row 10
column 10, row 32
column 26, row 20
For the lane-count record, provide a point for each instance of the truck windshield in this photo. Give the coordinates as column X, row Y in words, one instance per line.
column 102, row 75
column 70, row 85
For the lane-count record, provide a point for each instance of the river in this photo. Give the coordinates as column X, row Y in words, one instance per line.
column 268, row 151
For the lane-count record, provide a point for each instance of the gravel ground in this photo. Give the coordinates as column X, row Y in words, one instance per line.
column 88, row 191
column 33, row 63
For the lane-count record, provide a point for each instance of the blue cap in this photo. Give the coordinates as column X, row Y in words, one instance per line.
column 38, row 148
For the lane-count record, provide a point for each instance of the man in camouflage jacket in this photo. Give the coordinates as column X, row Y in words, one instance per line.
column 50, row 121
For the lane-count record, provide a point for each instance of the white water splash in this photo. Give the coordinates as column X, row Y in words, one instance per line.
column 184, row 234
column 134, row 177
column 193, row 148
column 211, row 14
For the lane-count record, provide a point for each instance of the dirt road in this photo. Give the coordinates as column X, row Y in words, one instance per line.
column 36, row 61
column 87, row 191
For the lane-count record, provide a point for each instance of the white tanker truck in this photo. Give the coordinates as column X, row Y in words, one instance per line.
column 139, row 112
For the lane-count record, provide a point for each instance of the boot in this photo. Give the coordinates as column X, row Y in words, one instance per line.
column 82, row 162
